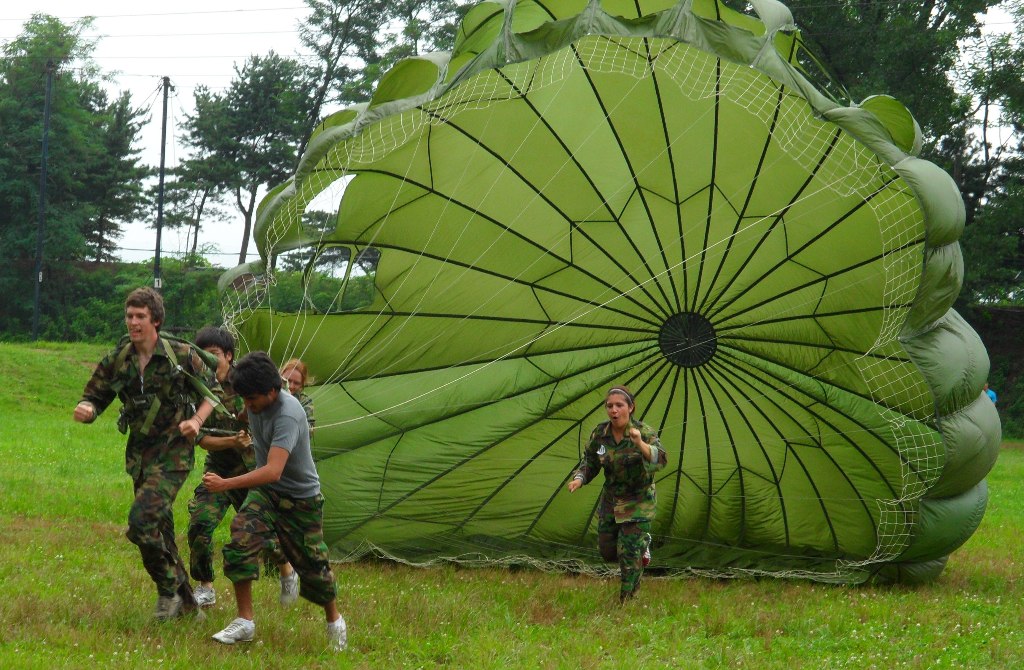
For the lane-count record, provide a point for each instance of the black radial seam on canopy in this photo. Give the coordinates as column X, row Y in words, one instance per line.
column 819, row 498
column 746, row 201
column 669, row 270
column 636, row 348
column 778, row 363
column 662, row 366
column 713, row 493
column 776, row 220
column 744, row 372
column 536, row 287
column 724, row 379
column 447, row 471
column 710, row 484
column 677, row 474
column 711, row 191
column 734, row 341
column 545, row 250
column 636, row 181
column 540, row 194
column 822, row 278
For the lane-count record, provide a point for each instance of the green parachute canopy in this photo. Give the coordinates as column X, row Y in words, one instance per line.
column 652, row 194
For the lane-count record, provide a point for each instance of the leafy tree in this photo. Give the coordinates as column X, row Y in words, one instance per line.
column 248, row 136
column 93, row 174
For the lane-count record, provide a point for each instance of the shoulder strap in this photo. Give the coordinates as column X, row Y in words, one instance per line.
column 196, row 383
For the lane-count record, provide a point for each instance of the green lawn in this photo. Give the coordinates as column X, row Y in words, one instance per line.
column 73, row 593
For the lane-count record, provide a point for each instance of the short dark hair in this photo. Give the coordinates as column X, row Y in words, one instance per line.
column 255, row 374
column 147, row 297
column 212, row 336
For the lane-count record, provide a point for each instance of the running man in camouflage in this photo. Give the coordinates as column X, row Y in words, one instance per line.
column 284, row 505
column 630, row 453
column 159, row 382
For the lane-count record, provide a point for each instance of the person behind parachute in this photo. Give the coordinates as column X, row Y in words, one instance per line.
column 159, row 381
column 630, row 453
column 230, row 454
column 295, row 373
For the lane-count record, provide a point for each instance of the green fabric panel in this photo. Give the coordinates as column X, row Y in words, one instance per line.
column 972, row 437
column 946, row 523
column 953, row 360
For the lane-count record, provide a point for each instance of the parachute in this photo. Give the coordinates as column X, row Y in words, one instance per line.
column 652, row 194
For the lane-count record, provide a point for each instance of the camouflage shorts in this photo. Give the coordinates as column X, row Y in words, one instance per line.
column 268, row 519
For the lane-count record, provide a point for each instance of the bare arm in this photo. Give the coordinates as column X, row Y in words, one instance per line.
column 267, row 474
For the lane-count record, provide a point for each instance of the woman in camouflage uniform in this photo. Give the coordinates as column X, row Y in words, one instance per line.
column 629, row 452
column 295, row 373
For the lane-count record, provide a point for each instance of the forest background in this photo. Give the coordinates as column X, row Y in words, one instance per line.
column 962, row 83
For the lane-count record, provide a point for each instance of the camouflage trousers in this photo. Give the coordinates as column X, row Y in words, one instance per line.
column 151, row 528
column 206, row 511
column 625, row 543
column 268, row 519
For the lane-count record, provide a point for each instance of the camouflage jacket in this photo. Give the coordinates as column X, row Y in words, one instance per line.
column 628, row 476
column 307, row 407
column 228, row 462
column 153, row 403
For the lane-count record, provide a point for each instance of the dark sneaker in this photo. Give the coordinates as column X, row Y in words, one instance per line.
column 239, row 630
column 167, row 607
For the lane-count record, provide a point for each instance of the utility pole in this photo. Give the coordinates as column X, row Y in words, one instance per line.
column 157, row 280
column 42, row 199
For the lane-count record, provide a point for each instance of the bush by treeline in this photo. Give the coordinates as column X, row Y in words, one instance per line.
column 84, row 302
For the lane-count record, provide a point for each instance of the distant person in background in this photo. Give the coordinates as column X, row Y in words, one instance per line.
column 990, row 393
column 284, row 505
column 629, row 453
column 167, row 393
column 296, row 374
column 227, row 440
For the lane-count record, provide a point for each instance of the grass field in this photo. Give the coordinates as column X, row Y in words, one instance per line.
column 73, row 593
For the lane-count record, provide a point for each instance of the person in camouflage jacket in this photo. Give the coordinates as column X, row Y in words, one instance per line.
column 629, row 453
column 167, row 392
column 229, row 454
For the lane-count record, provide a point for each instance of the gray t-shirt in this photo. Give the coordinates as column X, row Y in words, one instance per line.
column 283, row 424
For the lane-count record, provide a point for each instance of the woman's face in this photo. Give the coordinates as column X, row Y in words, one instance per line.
column 294, row 379
column 619, row 409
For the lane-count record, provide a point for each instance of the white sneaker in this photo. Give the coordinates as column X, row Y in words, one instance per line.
column 167, row 607
column 337, row 634
column 239, row 630
column 289, row 588
column 205, row 596
column 645, row 559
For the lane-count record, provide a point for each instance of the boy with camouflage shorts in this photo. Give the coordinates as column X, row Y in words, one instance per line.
column 159, row 382
column 230, row 454
column 283, row 505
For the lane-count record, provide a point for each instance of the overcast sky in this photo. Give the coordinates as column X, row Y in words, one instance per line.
column 193, row 43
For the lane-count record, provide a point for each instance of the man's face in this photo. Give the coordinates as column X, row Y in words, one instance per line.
column 140, row 324
column 223, row 362
column 258, row 402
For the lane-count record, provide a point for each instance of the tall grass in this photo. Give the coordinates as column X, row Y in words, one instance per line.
column 73, row 593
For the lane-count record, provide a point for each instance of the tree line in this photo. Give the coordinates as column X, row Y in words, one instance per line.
column 963, row 86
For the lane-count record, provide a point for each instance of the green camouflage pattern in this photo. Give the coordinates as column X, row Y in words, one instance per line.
column 307, row 407
column 628, row 476
column 207, row 509
column 163, row 379
column 623, row 543
column 268, row 519
column 151, row 528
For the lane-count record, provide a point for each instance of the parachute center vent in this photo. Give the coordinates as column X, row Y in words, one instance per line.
column 688, row 339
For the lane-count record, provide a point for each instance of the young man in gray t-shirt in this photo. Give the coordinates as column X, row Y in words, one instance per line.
column 284, row 502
